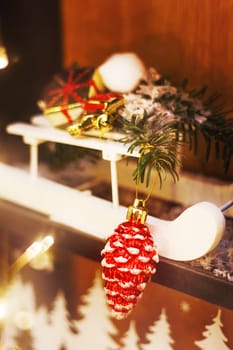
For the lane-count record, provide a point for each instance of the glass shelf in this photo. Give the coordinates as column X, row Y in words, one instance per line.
column 187, row 277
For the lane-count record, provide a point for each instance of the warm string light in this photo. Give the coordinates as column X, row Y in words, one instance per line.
column 4, row 61
column 2, row 308
column 34, row 250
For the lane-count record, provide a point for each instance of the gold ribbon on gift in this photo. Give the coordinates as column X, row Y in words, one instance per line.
column 102, row 119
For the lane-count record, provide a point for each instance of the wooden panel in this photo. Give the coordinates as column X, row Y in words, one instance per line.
column 182, row 39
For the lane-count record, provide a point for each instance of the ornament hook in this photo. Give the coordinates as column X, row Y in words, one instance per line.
column 137, row 212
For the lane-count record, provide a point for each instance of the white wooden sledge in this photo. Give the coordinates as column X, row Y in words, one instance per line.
column 194, row 233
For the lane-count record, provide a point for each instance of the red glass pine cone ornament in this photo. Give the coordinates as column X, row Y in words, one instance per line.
column 129, row 258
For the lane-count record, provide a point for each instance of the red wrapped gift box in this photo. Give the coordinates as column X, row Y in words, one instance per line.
column 64, row 99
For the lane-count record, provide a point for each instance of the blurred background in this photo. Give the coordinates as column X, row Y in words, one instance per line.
column 181, row 39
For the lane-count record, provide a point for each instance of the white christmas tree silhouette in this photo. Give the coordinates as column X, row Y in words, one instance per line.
column 159, row 334
column 8, row 335
column 20, row 311
column 214, row 337
column 59, row 331
column 95, row 328
column 131, row 339
column 41, row 329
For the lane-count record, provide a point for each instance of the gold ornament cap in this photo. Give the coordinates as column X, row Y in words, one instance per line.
column 137, row 212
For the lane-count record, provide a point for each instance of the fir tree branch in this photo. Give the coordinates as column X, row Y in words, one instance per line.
column 157, row 148
column 171, row 117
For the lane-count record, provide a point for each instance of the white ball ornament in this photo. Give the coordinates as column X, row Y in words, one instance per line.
column 122, row 72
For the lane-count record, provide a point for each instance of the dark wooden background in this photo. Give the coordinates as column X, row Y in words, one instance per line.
column 190, row 39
